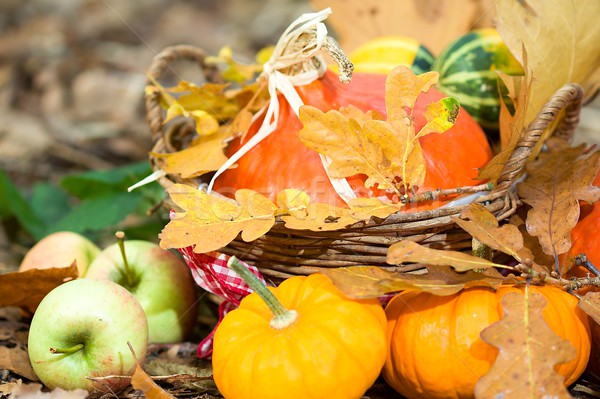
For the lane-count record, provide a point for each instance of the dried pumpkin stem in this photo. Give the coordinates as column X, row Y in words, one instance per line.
column 282, row 317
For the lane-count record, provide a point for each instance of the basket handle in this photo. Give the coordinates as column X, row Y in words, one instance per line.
column 569, row 97
column 160, row 63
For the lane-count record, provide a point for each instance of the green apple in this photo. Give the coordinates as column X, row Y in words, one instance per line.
column 60, row 249
column 82, row 329
column 159, row 279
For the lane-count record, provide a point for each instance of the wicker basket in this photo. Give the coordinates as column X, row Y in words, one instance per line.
column 281, row 252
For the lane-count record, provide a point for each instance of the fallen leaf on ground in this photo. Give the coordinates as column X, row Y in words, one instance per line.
column 524, row 367
column 13, row 349
column 27, row 289
column 33, row 391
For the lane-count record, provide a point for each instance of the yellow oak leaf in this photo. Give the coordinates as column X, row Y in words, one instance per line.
column 387, row 151
column 209, row 222
column 205, row 154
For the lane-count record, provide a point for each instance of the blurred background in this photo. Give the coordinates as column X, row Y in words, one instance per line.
column 72, row 77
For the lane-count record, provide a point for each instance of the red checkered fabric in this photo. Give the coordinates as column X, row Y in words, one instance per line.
column 210, row 272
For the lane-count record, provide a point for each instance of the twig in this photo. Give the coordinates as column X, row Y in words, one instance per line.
column 435, row 194
column 582, row 260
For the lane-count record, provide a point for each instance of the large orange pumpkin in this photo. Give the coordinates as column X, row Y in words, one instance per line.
column 281, row 160
column 435, row 349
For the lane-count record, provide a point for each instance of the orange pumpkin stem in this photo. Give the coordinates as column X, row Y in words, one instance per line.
column 282, row 317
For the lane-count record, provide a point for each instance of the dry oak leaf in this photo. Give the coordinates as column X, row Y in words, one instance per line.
column 524, row 367
column 385, row 151
column 209, row 222
column 561, row 41
column 557, row 180
column 205, row 154
column 373, row 281
column 27, row 289
column 299, row 214
column 409, row 251
column 34, row 391
column 483, row 226
column 590, row 304
column 511, row 125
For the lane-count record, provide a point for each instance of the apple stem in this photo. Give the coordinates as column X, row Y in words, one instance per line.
column 67, row 351
column 128, row 273
column 282, row 317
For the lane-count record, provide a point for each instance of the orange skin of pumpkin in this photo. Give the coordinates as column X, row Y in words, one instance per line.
column 334, row 350
column 584, row 238
column 435, row 349
column 281, row 161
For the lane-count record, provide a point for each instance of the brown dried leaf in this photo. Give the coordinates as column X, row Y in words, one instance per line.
column 511, row 125
column 483, row 226
column 142, row 381
column 524, row 367
column 209, row 222
column 433, row 23
column 373, row 282
column 27, row 289
column 34, row 391
column 13, row 351
column 557, row 180
column 567, row 28
column 409, row 251
column 590, row 304
column 532, row 248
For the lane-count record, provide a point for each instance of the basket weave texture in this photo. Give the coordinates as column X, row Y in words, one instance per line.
column 284, row 252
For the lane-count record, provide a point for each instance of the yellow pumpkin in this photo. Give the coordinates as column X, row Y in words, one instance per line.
column 325, row 346
column 435, row 349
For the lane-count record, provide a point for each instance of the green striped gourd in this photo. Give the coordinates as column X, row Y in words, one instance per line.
column 383, row 54
column 467, row 69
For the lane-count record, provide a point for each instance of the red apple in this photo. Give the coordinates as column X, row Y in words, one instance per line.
column 60, row 249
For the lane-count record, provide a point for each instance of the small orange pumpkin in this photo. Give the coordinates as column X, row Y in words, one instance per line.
column 325, row 346
column 435, row 349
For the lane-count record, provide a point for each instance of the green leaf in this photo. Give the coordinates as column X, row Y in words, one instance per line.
column 98, row 183
column 49, row 202
column 13, row 203
column 98, row 213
